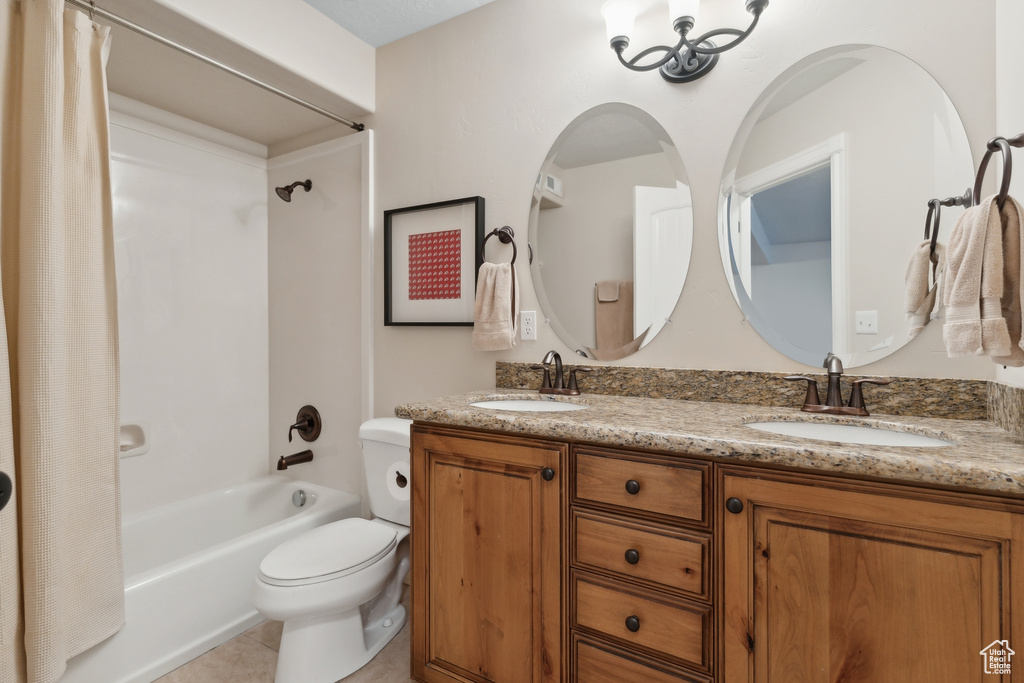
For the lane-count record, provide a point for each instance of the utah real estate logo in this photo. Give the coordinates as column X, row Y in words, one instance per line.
column 996, row 657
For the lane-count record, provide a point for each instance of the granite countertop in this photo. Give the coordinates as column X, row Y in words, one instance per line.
column 983, row 457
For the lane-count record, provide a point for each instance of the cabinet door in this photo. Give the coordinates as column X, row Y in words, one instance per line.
column 829, row 583
column 487, row 557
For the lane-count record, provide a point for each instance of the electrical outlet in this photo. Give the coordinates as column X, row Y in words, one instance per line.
column 528, row 325
column 867, row 322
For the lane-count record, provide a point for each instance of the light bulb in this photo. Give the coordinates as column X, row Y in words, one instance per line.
column 683, row 8
column 618, row 18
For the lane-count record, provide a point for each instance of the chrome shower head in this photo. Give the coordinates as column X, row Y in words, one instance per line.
column 285, row 192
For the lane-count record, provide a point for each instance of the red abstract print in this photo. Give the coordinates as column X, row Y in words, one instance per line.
column 435, row 265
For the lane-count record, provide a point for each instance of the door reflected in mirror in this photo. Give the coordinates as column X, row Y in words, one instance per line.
column 611, row 225
column 824, row 197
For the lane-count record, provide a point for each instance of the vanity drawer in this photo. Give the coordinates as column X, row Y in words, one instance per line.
column 671, row 628
column 637, row 483
column 659, row 555
column 595, row 662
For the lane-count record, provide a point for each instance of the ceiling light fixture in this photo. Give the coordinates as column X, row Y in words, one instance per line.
column 688, row 60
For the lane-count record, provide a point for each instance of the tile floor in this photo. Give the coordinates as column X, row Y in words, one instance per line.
column 252, row 658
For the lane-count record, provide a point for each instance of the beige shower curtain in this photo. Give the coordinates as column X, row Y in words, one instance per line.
column 61, row 577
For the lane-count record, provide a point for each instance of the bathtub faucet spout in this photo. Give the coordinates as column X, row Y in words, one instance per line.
column 286, row 460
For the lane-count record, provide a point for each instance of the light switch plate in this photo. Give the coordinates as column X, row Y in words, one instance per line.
column 867, row 322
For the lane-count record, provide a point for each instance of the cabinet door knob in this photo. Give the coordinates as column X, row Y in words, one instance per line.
column 734, row 505
column 633, row 487
column 632, row 556
column 633, row 623
column 547, row 473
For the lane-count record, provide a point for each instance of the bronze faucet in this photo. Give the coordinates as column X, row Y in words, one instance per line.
column 553, row 356
column 834, row 367
column 295, row 459
column 558, row 386
column 833, row 396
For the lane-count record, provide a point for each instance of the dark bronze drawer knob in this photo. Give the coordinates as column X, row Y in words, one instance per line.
column 547, row 473
column 633, row 487
column 632, row 556
column 633, row 623
column 734, row 505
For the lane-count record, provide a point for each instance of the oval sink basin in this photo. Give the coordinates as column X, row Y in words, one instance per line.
column 527, row 405
column 844, row 433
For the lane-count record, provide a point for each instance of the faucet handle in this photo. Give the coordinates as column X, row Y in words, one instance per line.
column 307, row 424
column 811, row 398
column 572, row 377
column 546, row 383
column 857, row 394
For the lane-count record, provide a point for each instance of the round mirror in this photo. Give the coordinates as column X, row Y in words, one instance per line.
column 611, row 227
column 825, row 195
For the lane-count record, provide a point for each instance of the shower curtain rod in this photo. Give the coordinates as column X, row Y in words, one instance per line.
column 131, row 26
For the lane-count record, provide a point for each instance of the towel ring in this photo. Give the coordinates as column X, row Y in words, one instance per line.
column 1003, row 146
column 505, row 235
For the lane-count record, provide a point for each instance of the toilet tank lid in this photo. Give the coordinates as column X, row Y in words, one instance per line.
column 393, row 430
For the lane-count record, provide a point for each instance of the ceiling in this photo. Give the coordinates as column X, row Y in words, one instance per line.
column 379, row 22
column 144, row 70
column 609, row 137
column 794, row 212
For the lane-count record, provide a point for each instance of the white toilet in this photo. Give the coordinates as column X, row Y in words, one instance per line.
column 337, row 587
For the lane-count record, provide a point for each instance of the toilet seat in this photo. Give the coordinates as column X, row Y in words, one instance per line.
column 328, row 552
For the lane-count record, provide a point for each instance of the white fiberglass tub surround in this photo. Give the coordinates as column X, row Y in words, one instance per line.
column 189, row 566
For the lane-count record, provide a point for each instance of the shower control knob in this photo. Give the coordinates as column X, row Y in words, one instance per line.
column 307, row 424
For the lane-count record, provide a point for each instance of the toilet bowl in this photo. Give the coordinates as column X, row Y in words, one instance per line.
column 337, row 587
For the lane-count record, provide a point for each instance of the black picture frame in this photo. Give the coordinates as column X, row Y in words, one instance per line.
column 404, row 300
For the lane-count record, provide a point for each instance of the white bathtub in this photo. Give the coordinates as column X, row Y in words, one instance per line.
column 189, row 566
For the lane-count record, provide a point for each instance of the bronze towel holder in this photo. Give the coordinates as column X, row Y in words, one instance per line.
column 1003, row 146
column 505, row 235
column 931, row 221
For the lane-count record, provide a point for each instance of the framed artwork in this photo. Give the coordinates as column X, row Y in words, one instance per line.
column 431, row 259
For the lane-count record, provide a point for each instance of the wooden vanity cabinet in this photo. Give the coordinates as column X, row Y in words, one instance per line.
column 487, row 556
column 831, row 580
column 534, row 561
column 640, row 579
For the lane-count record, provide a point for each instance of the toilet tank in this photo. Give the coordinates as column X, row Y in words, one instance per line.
column 385, row 444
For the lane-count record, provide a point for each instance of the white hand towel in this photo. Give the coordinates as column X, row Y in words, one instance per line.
column 924, row 273
column 1012, row 217
column 973, row 285
column 496, row 308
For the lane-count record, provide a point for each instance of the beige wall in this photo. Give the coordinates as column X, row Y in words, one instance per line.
column 471, row 107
